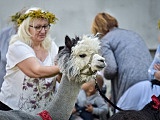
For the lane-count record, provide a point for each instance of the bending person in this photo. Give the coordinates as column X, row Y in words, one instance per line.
column 126, row 55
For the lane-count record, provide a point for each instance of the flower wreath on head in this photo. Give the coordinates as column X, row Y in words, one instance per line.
column 15, row 17
column 38, row 14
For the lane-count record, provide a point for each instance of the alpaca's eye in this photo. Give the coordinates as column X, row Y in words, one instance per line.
column 82, row 55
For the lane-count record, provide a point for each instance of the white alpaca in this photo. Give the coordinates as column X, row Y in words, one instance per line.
column 79, row 61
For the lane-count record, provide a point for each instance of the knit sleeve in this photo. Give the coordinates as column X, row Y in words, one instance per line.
column 111, row 66
column 102, row 107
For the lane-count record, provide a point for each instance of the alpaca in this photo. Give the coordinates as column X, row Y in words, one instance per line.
column 151, row 111
column 78, row 61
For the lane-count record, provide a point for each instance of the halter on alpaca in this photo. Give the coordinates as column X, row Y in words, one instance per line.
column 90, row 72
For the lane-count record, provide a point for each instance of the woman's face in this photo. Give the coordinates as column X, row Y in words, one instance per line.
column 38, row 29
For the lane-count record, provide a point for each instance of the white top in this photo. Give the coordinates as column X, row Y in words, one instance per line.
column 21, row 92
column 138, row 95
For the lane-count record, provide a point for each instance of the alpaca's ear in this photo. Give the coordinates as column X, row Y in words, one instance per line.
column 60, row 48
column 74, row 41
column 68, row 42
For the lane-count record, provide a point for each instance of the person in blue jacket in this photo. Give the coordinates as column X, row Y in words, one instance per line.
column 5, row 35
column 154, row 69
column 126, row 55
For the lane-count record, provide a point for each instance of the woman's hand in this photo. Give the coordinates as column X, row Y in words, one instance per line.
column 157, row 67
column 89, row 108
column 58, row 77
column 157, row 75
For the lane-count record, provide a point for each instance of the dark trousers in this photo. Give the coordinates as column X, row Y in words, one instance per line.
column 86, row 115
column 4, row 107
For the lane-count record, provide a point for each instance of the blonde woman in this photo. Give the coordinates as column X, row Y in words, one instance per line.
column 29, row 83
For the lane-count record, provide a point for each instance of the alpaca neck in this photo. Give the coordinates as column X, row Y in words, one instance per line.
column 64, row 100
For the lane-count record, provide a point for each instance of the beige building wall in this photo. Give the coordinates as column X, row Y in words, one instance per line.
column 75, row 16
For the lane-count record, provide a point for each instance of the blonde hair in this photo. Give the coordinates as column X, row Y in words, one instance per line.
column 102, row 23
column 24, row 35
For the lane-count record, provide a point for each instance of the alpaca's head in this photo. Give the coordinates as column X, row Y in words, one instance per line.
column 80, row 58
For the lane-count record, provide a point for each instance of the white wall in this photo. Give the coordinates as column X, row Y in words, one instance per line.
column 75, row 16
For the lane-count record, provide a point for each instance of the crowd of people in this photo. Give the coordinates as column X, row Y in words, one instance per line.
column 29, row 73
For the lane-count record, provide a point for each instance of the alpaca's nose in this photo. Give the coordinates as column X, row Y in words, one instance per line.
column 101, row 60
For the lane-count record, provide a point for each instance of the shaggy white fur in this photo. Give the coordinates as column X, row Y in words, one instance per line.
column 87, row 46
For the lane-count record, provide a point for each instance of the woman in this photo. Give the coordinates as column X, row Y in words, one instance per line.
column 154, row 69
column 126, row 55
column 30, row 78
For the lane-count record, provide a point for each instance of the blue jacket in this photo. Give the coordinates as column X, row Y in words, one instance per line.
column 5, row 36
column 156, row 60
column 127, row 58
